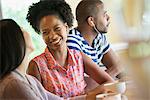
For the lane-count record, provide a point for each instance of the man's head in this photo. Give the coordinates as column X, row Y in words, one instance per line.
column 92, row 12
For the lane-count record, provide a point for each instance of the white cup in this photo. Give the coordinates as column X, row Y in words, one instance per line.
column 101, row 96
column 109, row 96
column 116, row 87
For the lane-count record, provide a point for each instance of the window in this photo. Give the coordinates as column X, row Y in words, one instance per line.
column 17, row 10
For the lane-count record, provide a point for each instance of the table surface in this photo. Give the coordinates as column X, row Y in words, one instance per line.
column 132, row 93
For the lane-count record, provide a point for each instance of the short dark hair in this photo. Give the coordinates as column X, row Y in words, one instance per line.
column 12, row 46
column 48, row 7
column 87, row 8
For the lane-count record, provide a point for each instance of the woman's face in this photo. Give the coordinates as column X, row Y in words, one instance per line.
column 28, row 41
column 54, row 31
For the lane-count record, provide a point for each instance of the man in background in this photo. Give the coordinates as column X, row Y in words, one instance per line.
column 89, row 36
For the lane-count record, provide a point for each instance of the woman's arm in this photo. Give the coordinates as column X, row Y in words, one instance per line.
column 34, row 70
column 95, row 72
column 90, row 95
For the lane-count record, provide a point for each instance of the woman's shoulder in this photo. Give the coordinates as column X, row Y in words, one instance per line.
column 17, row 88
column 11, row 83
column 6, row 81
column 9, row 79
column 75, row 52
column 38, row 59
column 41, row 56
column 32, row 80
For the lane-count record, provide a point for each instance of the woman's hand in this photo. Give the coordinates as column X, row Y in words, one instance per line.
column 91, row 95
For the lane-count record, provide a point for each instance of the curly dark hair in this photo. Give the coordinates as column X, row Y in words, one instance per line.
column 49, row 7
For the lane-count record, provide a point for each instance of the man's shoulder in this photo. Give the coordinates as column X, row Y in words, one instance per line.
column 100, row 36
column 74, row 37
column 74, row 33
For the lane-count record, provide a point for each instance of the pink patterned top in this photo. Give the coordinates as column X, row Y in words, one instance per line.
column 65, row 82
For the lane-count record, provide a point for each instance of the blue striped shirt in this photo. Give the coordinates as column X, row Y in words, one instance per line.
column 99, row 47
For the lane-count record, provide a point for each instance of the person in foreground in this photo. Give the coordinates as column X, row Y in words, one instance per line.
column 89, row 36
column 15, row 84
column 59, row 69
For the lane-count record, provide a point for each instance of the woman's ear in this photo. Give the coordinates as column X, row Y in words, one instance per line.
column 67, row 27
column 28, row 41
column 90, row 21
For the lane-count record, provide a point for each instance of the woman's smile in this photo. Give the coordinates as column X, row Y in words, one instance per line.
column 56, row 41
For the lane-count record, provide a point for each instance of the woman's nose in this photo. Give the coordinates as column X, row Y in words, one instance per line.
column 52, row 35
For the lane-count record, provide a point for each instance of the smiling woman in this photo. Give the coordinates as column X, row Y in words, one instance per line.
column 53, row 24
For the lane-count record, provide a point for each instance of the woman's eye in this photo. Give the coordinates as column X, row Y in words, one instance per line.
column 57, row 29
column 44, row 32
